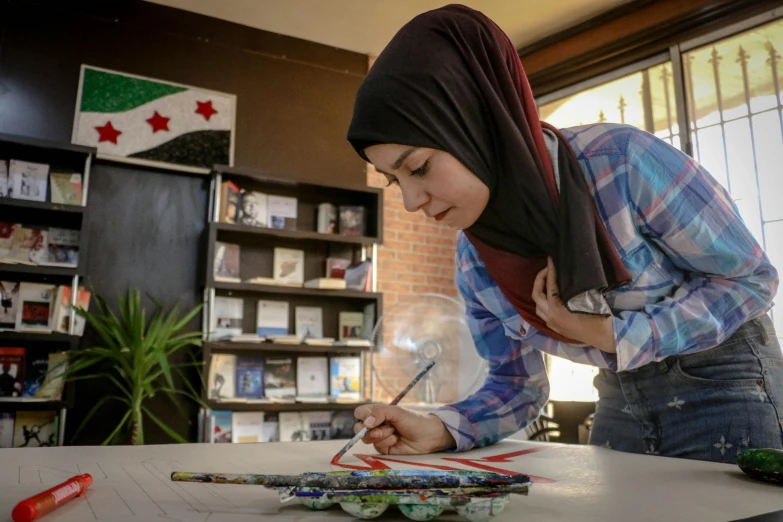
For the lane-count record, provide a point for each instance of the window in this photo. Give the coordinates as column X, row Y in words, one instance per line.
column 731, row 87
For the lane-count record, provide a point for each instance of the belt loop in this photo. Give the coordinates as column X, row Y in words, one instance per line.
column 763, row 330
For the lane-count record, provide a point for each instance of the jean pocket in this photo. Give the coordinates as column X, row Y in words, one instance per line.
column 733, row 364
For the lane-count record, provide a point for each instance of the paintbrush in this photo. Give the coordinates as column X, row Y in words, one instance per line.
column 406, row 479
column 397, row 399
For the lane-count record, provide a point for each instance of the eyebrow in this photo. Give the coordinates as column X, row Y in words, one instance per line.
column 397, row 164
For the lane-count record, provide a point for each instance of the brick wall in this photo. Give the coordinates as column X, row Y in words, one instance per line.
column 417, row 255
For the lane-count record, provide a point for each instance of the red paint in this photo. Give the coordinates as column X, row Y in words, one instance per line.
column 34, row 507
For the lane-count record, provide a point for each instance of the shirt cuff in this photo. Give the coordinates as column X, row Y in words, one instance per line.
column 460, row 427
column 627, row 339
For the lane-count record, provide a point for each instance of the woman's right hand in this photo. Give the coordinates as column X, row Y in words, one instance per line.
column 396, row 431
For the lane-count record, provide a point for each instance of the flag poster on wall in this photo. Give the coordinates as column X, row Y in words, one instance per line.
column 153, row 122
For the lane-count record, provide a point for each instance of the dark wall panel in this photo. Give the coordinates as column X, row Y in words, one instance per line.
column 294, row 101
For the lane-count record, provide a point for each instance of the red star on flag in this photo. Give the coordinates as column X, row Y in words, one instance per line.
column 108, row 133
column 158, row 122
column 205, row 109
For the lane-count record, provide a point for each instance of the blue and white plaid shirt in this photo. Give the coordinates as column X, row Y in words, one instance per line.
column 698, row 274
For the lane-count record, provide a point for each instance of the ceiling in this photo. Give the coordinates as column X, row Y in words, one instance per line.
column 366, row 26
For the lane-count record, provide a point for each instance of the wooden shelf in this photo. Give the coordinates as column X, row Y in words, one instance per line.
column 304, row 235
column 229, row 346
column 295, row 290
column 265, row 177
column 39, row 270
column 28, row 405
column 275, row 407
column 40, row 205
column 46, row 144
column 54, row 337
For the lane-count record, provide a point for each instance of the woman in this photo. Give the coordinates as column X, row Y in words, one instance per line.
column 601, row 244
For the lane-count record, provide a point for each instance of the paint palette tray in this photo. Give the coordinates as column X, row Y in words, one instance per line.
column 476, row 496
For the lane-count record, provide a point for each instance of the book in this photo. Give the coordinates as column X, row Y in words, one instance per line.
column 34, row 311
column 280, row 378
column 285, row 339
column 294, row 426
column 9, row 303
column 335, row 267
column 351, row 325
column 226, row 266
column 309, row 322
column 227, row 317
column 326, row 219
column 247, row 427
column 11, row 371
column 221, row 426
column 271, row 430
column 358, row 275
column 288, row 266
column 326, row 283
column 253, row 212
column 322, row 341
column 53, row 383
column 65, row 188
column 342, row 425
column 247, row 338
column 3, row 181
column 250, row 377
column 35, row 429
column 281, row 212
column 229, row 202
column 222, row 371
column 56, row 247
column 271, row 318
column 261, row 281
column 7, row 429
column 7, row 232
column 25, row 240
column 28, row 180
column 61, row 317
column 320, row 423
column 352, row 221
column 345, row 378
column 369, row 320
column 36, row 365
column 312, row 381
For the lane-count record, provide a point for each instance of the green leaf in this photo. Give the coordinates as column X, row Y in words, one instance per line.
column 117, row 429
column 94, row 409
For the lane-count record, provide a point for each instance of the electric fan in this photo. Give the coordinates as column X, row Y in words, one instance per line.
column 414, row 331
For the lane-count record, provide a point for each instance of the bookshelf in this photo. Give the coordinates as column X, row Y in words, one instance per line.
column 62, row 158
column 256, row 260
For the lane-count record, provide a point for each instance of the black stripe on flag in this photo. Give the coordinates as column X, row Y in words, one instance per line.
column 196, row 149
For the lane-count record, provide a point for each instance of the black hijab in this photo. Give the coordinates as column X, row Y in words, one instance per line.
column 451, row 80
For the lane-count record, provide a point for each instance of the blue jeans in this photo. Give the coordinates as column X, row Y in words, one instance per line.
column 707, row 405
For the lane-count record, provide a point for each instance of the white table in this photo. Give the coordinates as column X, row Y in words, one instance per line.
column 576, row 483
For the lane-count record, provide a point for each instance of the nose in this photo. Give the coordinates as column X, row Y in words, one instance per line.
column 413, row 196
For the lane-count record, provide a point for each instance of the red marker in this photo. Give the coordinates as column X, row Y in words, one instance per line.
column 39, row 505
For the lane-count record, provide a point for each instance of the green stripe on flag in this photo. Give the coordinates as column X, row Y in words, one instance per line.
column 107, row 92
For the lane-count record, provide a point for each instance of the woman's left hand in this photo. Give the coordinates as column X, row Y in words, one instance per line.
column 593, row 330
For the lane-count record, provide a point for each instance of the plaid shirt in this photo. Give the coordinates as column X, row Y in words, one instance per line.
column 698, row 274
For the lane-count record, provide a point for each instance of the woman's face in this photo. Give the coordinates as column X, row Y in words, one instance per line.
column 433, row 181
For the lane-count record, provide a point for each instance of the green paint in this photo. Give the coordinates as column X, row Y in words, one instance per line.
column 482, row 510
column 109, row 92
column 762, row 464
column 319, row 503
column 364, row 510
column 420, row 512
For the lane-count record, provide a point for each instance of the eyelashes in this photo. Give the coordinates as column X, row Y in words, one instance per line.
column 417, row 172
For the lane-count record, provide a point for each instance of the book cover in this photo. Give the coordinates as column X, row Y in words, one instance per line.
column 3, row 180
column 36, row 364
column 282, row 212
column 294, row 426
column 271, row 318
column 346, row 374
column 309, row 322
column 326, row 283
column 351, row 325
column 222, row 373
column 352, row 221
column 335, row 267
column 7, row 233
column 271, row 430
column 65, row 188
column 342, row 425
column 7, row 429
column 247, row 427
column 35, row 307
column 28, row 180
column 253, row 211
column 9, row 302
column 226, row 266
column 312, row 381
column 357, row 275
column 280, row 378
column 227, row 317
column 320, row 423
column 11, row 371
column 327, row 218
column 229, row 202
column 61, row 317
column 289, row 266
column 25, row 240
column 369, row 321
column 53, row 383
column 221, row 426
column 62, row 247
column 35, row 429
column 250, row 377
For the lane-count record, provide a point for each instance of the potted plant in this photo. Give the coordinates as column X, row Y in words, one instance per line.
column 135, row 357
